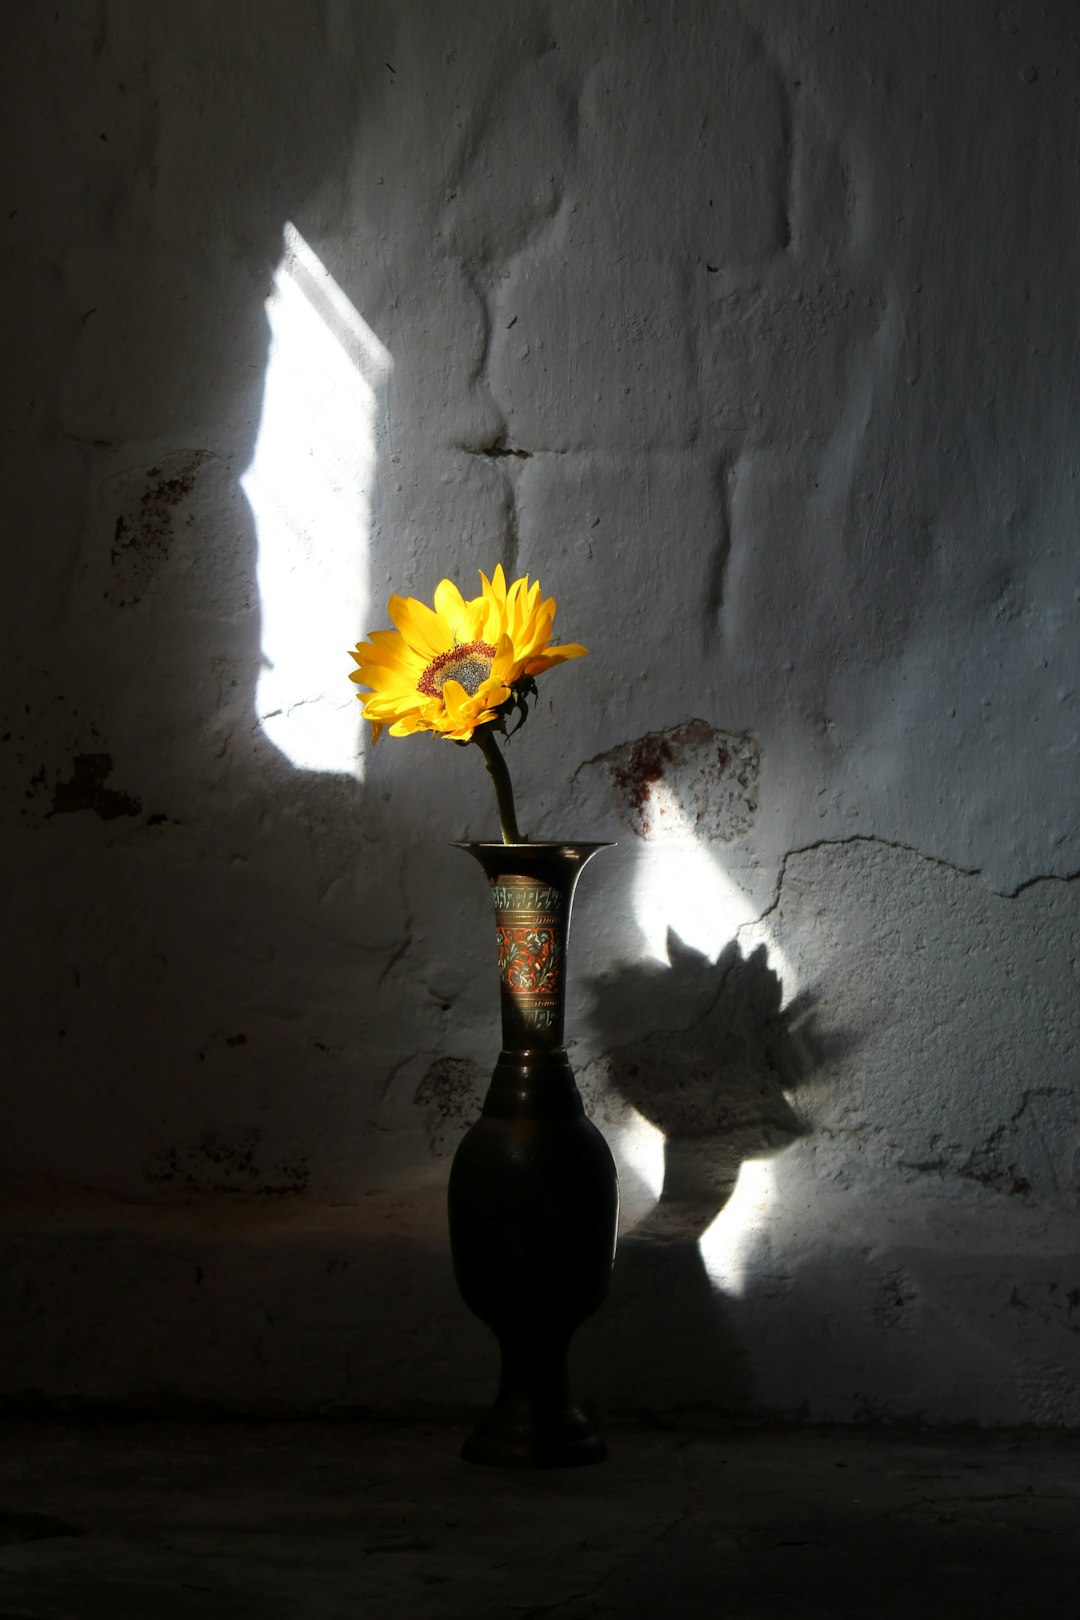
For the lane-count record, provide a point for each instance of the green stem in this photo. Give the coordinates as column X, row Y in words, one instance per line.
column 484, row 737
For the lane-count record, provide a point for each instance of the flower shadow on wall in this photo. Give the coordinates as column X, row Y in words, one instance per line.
column 719, row 1088
column 709, row 1048
column 722, row 1089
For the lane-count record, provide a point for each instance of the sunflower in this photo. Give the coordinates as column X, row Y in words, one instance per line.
column 452, row 669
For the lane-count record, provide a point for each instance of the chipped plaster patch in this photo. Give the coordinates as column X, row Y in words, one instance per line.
column 451, row 1093
column 145, row 527
column 85, row 789
column 690, row 780
column 214, row 1165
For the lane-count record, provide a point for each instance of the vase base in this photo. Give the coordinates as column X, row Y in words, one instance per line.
column 571, row 1441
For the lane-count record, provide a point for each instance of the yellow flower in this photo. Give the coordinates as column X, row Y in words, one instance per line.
column 449, row 670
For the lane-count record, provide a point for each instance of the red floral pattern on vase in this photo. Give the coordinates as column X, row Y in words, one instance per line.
column 529, row 959
column 529, row 926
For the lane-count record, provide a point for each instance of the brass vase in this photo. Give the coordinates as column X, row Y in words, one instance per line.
column 533, row 1197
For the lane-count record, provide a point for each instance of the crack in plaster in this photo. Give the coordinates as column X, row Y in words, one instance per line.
column 756, row 37
column 538, row 222
column 483, row 359
column 388, row 1083
column 675, row 1032
column 498, row 447
column 995, row 1174
column 484, row 123
column 906, row 849
column 87, row 441
column 787, row 141
column 513, row 525
column 399, row 952
column 717, row 577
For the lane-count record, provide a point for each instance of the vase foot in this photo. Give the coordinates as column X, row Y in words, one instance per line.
column 501, row 1440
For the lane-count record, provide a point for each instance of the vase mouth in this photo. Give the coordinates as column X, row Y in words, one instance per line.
column 576, row 846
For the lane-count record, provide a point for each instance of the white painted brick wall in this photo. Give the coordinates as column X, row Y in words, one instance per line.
column 752, row 332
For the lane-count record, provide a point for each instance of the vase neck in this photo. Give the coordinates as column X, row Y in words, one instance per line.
column 532, row 887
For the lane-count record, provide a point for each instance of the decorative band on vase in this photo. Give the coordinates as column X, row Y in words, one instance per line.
column 530, row 928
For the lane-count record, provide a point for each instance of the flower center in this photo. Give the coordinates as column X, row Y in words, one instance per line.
column 469, row 665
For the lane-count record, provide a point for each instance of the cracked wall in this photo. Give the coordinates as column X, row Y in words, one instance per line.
column 750, row 330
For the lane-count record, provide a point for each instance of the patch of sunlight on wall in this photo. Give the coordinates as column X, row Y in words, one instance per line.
column 641, row 1153
column 680, row 886
column 726, row 1244
column 309, row 486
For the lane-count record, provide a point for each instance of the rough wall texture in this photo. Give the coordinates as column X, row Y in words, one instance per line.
column 752, row 331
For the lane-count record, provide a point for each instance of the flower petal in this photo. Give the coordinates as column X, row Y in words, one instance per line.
column 492, row 693
column 399, row 657
column 407, row 726
column 424, row 631
column 553, row 656
column 451, row 608
column 456, row 699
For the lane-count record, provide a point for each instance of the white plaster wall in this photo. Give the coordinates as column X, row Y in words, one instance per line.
column 752, row 331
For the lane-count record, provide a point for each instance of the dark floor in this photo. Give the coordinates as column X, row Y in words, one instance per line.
column 356, row 1521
